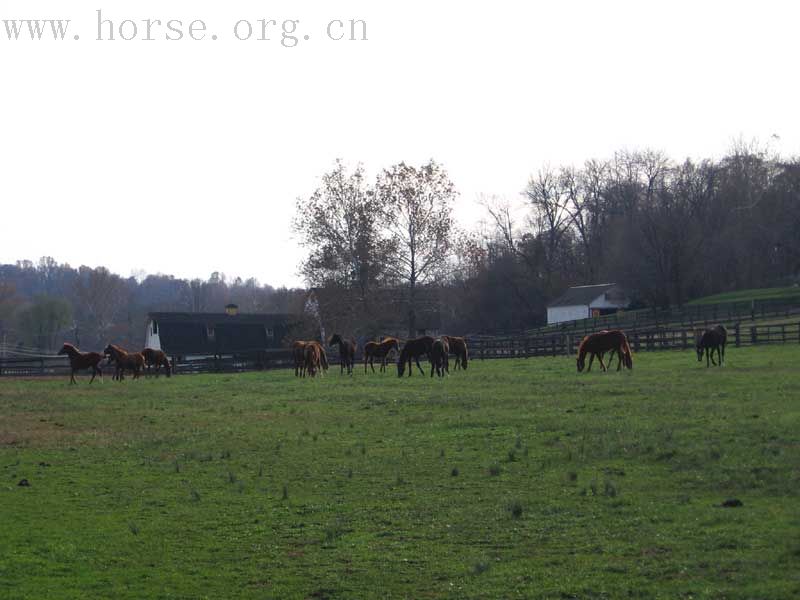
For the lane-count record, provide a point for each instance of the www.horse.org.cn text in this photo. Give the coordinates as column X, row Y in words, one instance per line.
column 288, row 33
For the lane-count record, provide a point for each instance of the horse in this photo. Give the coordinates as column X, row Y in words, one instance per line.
column 157, row 359
column 347, row 352
column 312, row 359
column 599, row 343
column 380, row 350
column 412, row 350
column 298, row 354
column 124, row 360
column 439, row 357
column 79, row 361
column 710, row 340
column 458, row 348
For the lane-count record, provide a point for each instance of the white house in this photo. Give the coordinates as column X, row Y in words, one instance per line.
column 585, row 301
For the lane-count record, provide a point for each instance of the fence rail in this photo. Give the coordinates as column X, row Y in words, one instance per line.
column 689, row 316
column 560, row 344
column 566, row 344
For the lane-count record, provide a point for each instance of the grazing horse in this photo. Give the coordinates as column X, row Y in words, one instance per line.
column 157, row 359
column 124, row 360
column 599, row 343
column 379, row 350
column 312, row 359
column 412, row 351
column 710, row 340
column 439, row 359
column 78, row 361
column 458, row 348
column 347, row 352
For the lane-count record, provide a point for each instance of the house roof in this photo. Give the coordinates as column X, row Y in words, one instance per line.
column 581, row 295
column 219, row 318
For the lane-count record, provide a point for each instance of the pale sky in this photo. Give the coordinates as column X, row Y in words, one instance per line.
column 186, row 157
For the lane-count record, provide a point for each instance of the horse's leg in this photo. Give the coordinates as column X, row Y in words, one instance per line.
column 418, row 366
column 72, row 377
column 602, row 365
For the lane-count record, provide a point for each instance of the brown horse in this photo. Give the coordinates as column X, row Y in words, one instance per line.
column 157, row 359
column 312, row 359
column 79, row 361
column 379, row 350
column 439, row 357
column 412, row 350
column 347, row 352
column 124, row 360
column 299, row 356
column 458, row 348
column 710, row 340
column 599, row 343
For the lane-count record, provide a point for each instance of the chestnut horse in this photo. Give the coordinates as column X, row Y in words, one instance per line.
column 299, row 356
column 347, row 352
column 710, row 340
column 124, row 360
column 599, row 343
column 157, row 359
column 79, row 361
column 439, row 359
column 312, row 359
column 379, row 350
column 412, row 350
column 458, row 348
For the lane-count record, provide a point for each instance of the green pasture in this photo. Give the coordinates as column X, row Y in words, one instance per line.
column 780, row 293
column 514, row 479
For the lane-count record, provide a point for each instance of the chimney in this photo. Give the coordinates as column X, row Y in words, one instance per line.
column 231, row 310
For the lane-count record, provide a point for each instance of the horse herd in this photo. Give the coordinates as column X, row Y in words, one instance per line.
column 135, row 362
column 310, row 357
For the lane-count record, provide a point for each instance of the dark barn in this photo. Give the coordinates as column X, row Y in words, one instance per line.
column 256, row 338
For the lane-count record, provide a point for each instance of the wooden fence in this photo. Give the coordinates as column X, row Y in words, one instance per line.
column 689, row 317
column 566, row 344
column 482, row 348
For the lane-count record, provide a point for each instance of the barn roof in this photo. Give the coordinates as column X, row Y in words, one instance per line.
column 581, row 295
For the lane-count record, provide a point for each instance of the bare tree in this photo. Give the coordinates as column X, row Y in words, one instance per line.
column 419, row 201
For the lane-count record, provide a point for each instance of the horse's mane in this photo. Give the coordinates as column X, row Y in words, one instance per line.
column 583, row 343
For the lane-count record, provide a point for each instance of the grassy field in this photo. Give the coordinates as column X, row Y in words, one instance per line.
column 748, row 295
column 516, row 479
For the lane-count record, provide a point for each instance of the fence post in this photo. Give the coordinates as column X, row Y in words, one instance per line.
column 783, row 333
column 554, row 347
column 736, row 334
column 753, row 335
column 683, row 339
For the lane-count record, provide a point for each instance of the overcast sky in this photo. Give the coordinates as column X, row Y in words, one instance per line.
column 186, row 157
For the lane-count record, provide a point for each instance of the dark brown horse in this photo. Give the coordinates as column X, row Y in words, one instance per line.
column 79, row 361
column 439, row 357
column 347, row 352
column 157, row 359
column 599, row 343
column 134, row 361
column 379, row 350
column 458, row 348
column 412, row 350
column 710, row 340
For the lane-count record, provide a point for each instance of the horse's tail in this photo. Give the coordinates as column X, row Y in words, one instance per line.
column 626, row 351
column 465, row 357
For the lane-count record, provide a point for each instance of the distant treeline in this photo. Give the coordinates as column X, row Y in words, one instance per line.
column 666, row 231
column 387, row 257
column 45, row 304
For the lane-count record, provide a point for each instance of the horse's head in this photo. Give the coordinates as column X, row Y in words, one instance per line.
column 65, row 349
column 335, row 339
column 581, row 362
